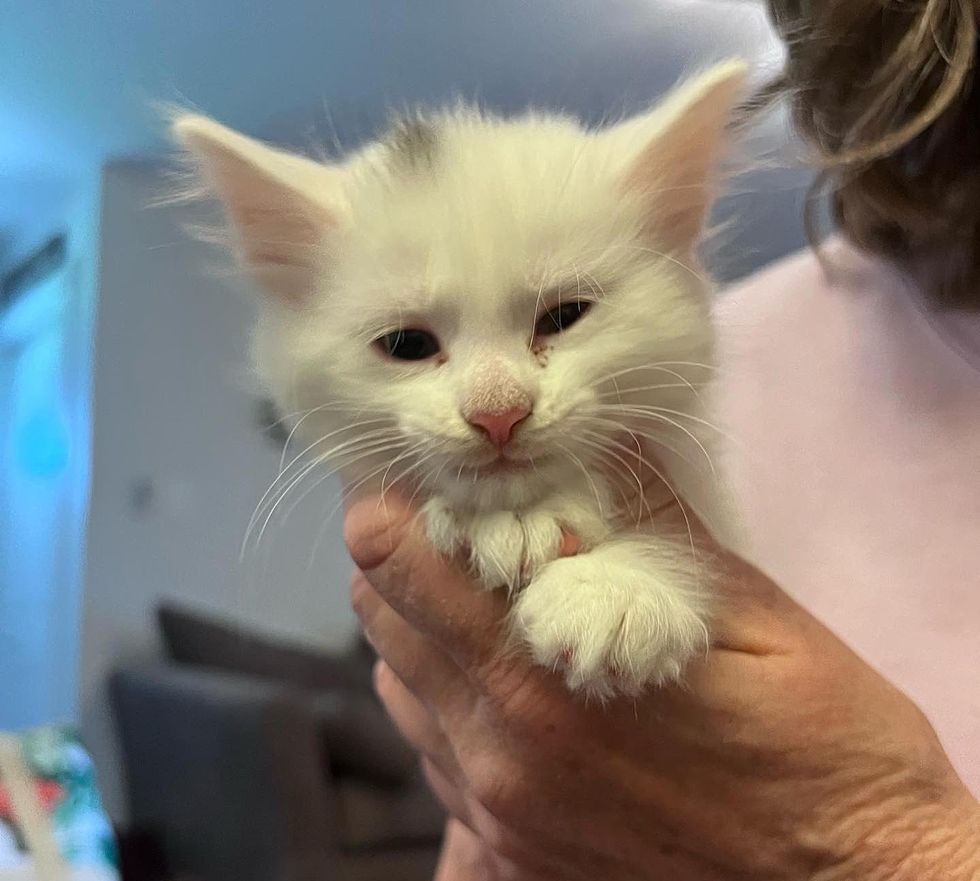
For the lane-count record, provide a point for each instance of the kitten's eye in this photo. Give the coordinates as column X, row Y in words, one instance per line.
column 561, row 317
column 409, row 345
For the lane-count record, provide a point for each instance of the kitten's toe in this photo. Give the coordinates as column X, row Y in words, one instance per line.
column 542, row 542
column 496, row 546
column 508, row 549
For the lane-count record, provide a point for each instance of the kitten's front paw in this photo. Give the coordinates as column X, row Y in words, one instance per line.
column 610, row 629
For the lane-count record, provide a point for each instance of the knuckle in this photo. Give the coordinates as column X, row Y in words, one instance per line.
column 373, row 533
column 509, row 681
column 500, row 789
column 524, row 703
column 508, row 845
column 361, row 596
column 385, row 682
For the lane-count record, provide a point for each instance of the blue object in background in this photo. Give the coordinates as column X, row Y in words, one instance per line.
column 32, row 343
column 43, row 444
column 45, row 341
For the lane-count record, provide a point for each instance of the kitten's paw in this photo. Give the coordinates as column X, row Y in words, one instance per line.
column 610, row 629
column 507, row 549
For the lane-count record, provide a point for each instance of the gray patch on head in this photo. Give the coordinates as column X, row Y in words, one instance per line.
column 413, row 143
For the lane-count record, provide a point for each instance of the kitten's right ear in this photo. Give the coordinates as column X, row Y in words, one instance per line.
column 278, row 204
column 676, row 149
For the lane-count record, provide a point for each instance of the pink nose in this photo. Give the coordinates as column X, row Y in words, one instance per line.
column 499, row 427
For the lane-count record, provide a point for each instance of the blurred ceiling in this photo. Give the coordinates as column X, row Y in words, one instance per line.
column 80, row 79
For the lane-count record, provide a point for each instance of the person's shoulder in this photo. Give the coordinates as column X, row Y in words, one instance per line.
column 801, row 265
column 793, row 283
column 805, row 307
column 773, row 285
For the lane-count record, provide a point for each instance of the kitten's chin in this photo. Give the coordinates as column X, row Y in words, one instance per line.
column 502, row 484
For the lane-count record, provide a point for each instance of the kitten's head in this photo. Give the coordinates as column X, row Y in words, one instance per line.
column 477, row 302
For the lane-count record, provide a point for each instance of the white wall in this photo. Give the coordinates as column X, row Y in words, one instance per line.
column 178, row 465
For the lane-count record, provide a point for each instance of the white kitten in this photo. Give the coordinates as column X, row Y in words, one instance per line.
column 505, row 316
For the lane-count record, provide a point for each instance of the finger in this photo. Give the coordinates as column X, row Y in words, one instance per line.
column 752, row 614
column 417, row 661
column 570, row 545
column 449, row 796
column 415, row 722
column 464, row 857
column 431, row 593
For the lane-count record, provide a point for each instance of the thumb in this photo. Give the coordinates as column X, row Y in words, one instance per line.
column 388, row 544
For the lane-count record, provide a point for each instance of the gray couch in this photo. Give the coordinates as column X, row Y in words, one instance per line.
column 250, row 761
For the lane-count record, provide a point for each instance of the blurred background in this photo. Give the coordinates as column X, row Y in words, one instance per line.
column 133, row 446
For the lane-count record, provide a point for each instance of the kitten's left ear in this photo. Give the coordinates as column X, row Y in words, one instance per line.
column 279, row 205
column 680, row 144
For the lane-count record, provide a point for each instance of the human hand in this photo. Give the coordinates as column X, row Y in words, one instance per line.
column 784, row 756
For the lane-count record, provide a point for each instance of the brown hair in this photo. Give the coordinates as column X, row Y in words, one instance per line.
column 885, row 91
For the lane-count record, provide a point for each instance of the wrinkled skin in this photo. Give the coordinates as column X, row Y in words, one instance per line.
column 784, row 757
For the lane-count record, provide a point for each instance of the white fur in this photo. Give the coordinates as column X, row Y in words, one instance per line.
column 474, row 246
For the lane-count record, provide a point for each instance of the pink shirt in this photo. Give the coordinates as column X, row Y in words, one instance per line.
column 857, row 425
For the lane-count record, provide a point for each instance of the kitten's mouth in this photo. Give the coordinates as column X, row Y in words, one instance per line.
column 501, row 466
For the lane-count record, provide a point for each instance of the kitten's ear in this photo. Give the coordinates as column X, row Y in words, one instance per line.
column 277, row 204
column 680, row 144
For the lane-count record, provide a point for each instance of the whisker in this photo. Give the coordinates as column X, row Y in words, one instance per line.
column 276, row 483
column 348, row 491
column 297, row 458
column 662, row 366
column 682, row 414
column 296, row 427
column 394, row 462
column 657, row 439
column 701, row 277
column 641, row 413
column 383, row 499
column 602, row 450
column 334, row 470
column 429, row 474
column 345, row 494
column 312, row 466
column 681, row 505
column 604, row 447
column 534, row 317
column 634, row 389
column 594, row 285
column 581, row 465
column 405, row 472
column 368, row 448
